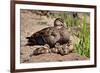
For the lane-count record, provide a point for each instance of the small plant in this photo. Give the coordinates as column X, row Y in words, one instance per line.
column 83, row 47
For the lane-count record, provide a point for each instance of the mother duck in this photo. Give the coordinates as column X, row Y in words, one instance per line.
column 50, row 35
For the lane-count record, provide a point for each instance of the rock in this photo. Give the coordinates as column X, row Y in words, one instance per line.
column 52, row 57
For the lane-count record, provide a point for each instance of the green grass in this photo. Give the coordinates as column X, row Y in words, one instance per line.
column 83, row 47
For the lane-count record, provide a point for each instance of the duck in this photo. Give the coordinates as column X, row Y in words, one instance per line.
column 50, row 35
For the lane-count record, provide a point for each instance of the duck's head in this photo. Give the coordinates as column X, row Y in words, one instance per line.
column 59, row 22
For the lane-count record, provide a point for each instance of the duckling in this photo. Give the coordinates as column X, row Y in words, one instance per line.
column 41, row 50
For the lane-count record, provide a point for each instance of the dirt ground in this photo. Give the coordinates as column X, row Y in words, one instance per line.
column 30, row 23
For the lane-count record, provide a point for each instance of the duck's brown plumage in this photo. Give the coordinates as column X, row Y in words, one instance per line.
column 50, row 35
